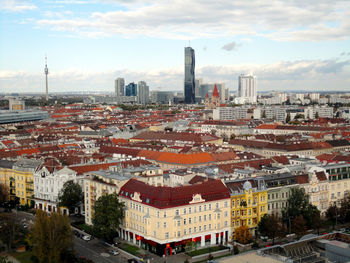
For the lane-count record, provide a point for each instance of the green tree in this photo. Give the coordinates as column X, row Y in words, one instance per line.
column 108, row 215
column 298, row 204
column 288, row 118
column 332, row 214
column 50, row 237
column 71, row 195
column 270, row 225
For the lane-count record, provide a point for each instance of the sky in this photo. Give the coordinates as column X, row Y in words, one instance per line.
column 287, row 44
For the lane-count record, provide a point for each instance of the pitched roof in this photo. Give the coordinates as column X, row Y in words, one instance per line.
column 165, row 197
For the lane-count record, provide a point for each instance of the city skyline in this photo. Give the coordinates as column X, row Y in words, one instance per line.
column 289, row 46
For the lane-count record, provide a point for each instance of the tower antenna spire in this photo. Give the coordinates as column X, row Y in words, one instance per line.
column 46, row 73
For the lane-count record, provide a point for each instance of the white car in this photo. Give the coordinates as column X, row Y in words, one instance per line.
column 86, row 237
column 114, row 252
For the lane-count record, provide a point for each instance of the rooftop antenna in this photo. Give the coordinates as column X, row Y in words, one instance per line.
column 46, row 73
column 189, row 43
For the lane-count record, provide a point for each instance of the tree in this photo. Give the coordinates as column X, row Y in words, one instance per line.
column 299, row 226
column 71, row 195
column 4, row 193
column 316, row 115
column 50, row 237
column 288, row 118
column 263, row 114
column 12, row 232
column 270, row 226
column 332, row 214
column 108, row 215
column 242, row 234
column 345, row 209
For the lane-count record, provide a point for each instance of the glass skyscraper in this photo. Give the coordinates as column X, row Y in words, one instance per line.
column 189, row 85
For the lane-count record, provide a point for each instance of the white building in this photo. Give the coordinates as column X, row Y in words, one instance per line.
column 247, row 88
column 314, row 97
column 323, row 112
column 230, row 113
column 275, row 113
column 47, row 186
column 142, row 93
column 119, row 86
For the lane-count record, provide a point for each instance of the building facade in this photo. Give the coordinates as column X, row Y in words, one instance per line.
column 248, row 202
column 119, row 87
column 247, row 88
column 142, row 93
column 165, row 219
column 189, row 83
column 131, row 89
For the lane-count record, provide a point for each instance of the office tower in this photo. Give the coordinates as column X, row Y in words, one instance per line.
column 47, row 84
column 198, row 83
column 142, row 92
column 119, row 87
column 189, row 83
column 247, row 88
column 131, row 89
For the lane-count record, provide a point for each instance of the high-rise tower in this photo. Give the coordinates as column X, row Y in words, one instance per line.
column 189, row 83
column 247, row 88
column 47, row 84
column 119, row 87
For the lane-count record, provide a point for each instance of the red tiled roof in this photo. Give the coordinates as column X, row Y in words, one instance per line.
column 302, row 179
column 165, row 197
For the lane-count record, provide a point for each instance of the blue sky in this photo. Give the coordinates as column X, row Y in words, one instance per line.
column 288, row 45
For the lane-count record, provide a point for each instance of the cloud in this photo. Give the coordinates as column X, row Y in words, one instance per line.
column 16, row 5
column 230, row 46
column 325, row 75
column 188, row 19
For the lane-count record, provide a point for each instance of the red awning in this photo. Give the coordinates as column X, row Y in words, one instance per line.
column 207, row 237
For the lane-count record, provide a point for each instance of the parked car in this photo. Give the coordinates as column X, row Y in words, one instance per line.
column 114, row 252
column 86, row 237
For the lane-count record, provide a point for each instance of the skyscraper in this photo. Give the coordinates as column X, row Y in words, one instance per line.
column 131, row 89
column 119, row 87
column 189, row 85
column 247, row 88
column 142, row 92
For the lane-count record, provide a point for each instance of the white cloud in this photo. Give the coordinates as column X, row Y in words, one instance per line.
column 16, row 5
column 286, row 75
column 230, row 46
column 186, row 19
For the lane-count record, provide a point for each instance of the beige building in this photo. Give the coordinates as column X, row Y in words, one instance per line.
column 165, row 219
column 339, row 181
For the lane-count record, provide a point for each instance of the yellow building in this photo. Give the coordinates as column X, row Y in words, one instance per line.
column 22, row 180
column 6, row 173
column 248, row 202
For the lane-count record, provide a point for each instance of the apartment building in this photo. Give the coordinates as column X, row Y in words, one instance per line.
column 164, row 219
column 339, row 181
column 248, row 202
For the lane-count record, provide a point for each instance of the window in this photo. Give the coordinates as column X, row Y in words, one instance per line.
column 190, row 220
column 158, row 214
column 233, row 213
column 205, row 227
column 218, row 215
column 195, row 209
column 177, row 212
column 225, row 214
column 194, row 229
column 189, row 210
column 167, row 235
column 226, row 223
column 200, row 208
column 233, row 203
column 200, row 218
column 154, row 233
column 209, row 226
column 164, row 224
column 237, row 212
column 209, row 206
column 200, row 228
column 184, row 221
column 209, row 216
column 185, row 232
column 249, row 222
column 217, row 205
column 225, row 204
column 190, row 230
column 184, row 211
